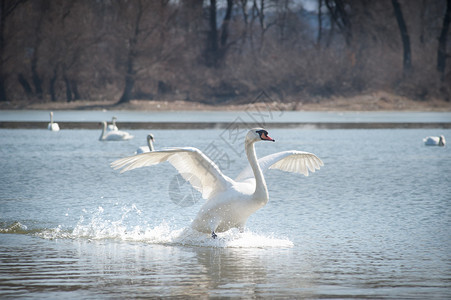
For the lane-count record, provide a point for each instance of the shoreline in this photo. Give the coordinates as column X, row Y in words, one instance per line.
column 379, row 101
column 233, row 126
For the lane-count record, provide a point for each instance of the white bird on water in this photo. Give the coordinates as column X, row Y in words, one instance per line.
column 112, row 126
column 114, row 135
column 435, row 141
column 229, row 202
column 149, row 147
column 52, row 126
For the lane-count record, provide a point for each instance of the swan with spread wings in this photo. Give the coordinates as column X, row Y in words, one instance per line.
column 229, row 202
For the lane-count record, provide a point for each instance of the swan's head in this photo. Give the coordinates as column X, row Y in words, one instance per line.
column 258, row 134
column 150, row 138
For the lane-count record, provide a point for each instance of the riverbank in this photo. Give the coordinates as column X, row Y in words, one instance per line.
column 234, row 126
column 379, row 101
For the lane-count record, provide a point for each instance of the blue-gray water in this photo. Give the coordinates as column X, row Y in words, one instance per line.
column 374, row 222
column 271, row 115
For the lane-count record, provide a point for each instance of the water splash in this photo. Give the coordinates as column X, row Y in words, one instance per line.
column 15, row 227
column 98, row 226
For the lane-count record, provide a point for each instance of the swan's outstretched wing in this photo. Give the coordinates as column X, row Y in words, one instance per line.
column 290, row 161
column 203, row 174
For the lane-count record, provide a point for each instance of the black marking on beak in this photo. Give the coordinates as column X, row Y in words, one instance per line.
column 264, row 136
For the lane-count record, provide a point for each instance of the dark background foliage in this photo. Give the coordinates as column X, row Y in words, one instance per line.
column 223, row 51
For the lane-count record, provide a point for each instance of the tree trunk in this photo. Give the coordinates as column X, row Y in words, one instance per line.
column 217, row 45
column 6, row 8
column 441, row 54
column 129, row 81
column 24, row 83
column 339, row 17
column 68, row 88
column 52, row 84
column 3, row 96
column 74, row 85
column 320, row 24
column 212, row 39
column 225, row 24
column 407, row 57
column 132, row 53
column 127, row 94
column 37, row 81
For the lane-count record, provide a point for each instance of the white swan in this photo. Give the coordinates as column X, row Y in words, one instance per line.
column 52, row 126
column 114, row 135
column 435, row 141
column 229, row 202
column 149, row 147
column 112, row 126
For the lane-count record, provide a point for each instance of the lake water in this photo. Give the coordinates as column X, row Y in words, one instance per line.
column 373, row 223
column 271, row 114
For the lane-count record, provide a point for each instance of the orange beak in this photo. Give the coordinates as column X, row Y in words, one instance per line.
column 266, row 137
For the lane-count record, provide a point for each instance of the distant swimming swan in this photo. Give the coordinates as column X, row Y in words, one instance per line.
column 229, row 202
column 149, row 147
column 52, row 126
column 112, row 126
column 435, row 141
column 114, row 135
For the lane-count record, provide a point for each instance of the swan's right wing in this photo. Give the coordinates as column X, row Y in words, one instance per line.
column 195, row 167
column 289, row 161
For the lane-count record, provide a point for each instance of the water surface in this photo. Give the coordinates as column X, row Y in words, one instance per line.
column 374, row 222
column 268, row 114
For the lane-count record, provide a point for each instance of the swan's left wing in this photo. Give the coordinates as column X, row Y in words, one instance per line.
column 195, row 167
column 289, row 161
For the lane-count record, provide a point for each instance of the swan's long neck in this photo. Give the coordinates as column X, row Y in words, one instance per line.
column 102, row 136
column 261, row 190
column 51, row 118
column 150, row 144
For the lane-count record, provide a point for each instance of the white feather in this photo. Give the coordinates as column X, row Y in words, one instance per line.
column 230, row 203
column 434, row 141
column 290, row 161
column 191, row 163
column 52, row 126
column 115, row 135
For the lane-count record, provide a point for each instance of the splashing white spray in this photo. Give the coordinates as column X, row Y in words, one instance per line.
column 98, row 226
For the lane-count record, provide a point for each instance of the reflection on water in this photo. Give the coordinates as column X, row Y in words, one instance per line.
column 374, row 222
column 84, row 267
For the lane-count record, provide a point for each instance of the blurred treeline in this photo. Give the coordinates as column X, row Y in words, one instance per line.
column 223, row 50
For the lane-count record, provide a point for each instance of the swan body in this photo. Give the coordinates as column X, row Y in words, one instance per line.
column 114, row 135
column 435, row 141
column 229, row 202
column 149, row 147
column 52, row 126
column 112, row 126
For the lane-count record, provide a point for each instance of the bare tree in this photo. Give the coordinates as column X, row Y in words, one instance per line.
column 219, row 50
column 320, row 23
column 407, row 57
column 136, row 31
column 7, row 7
column 441, row 53
column 216, row 46
column 340, row 17
column 148, row 30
